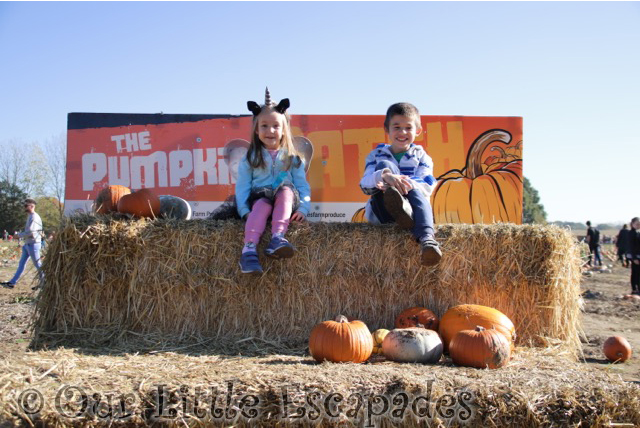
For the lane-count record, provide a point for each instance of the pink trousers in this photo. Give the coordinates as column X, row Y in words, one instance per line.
column 280, row 213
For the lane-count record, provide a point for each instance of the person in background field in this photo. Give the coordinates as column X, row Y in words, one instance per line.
column 593, row 239
column 31, row 247
column 622, row 241
column 271, row 182
column 399, row 178
column 6, row 235
column 633, row 254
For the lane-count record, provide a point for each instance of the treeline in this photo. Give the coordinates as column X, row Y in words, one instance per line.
column 32, row 170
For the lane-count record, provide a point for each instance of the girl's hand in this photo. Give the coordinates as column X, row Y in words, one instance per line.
column 298, row 216
column 400, row 182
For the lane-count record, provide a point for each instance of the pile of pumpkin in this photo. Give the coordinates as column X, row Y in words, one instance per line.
column 142, row 203
column 474, row 336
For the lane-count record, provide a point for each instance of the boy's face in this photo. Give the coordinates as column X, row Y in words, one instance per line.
column 636, row 224
column 402, row 132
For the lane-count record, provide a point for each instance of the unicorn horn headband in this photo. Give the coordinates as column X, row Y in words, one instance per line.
column 281, row 108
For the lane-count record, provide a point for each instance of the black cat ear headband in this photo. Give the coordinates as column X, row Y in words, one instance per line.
column 281, row 108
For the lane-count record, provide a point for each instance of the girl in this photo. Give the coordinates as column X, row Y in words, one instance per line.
column 271, row 182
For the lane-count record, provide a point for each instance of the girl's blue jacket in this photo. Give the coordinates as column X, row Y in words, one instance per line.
column 270, row 176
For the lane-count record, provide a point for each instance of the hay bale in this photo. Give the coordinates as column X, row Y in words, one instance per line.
column 167, row 281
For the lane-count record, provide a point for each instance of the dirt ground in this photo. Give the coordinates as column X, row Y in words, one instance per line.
column 605, row 313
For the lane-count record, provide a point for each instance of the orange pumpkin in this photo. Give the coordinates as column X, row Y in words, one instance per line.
column 481, row 194
column 108, row 198
column 617, row 349
column 467, row 317
column 341, row 341
column 415, row 316
column 143, row 203
column 480, row 348
column 358, row 216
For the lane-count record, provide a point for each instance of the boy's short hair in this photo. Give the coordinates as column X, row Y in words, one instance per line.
column 29, row 201
column 403, row 109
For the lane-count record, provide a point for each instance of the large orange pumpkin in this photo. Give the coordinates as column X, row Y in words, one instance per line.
column 108, row 198
column 341, row 341
column 480, row 348
column 617, row 349
column 467, row 317
column 143, row 203
column 480, row 193
column 412, row 317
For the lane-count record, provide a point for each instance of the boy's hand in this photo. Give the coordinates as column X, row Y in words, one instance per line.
column 400, row 182
column 298, row 216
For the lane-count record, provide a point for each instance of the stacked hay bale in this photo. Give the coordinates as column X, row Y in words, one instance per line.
column 165, row 281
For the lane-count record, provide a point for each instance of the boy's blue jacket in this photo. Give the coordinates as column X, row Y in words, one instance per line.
column 253, row 178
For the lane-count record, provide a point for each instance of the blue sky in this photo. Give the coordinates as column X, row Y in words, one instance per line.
column 571, row 69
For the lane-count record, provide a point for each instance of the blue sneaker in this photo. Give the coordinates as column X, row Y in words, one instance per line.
column 279, row 248
column 249, row 262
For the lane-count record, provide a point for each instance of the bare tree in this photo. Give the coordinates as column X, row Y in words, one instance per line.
column 56, row 160
column 22, row 164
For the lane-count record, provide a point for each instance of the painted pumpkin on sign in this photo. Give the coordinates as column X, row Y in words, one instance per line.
column 479, row 193
column 358, row 216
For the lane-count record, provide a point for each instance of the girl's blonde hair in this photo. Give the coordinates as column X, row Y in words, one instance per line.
column 291, row 155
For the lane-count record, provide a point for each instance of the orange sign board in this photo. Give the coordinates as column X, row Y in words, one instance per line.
column 183, row 155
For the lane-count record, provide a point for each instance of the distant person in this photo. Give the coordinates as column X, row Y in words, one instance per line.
column 622, row 242
column 633, row 254
column 31, row 248
column 6, row 235
column 593, row 239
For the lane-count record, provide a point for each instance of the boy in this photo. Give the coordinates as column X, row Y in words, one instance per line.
column 398, row 176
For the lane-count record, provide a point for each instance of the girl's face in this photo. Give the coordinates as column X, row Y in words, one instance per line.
column 636, row 224
column 270, row 129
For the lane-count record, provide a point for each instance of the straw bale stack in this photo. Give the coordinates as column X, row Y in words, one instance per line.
column 160, row 282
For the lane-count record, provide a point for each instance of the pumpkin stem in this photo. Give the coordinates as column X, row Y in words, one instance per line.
column 473, row 167
column 341, row 318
